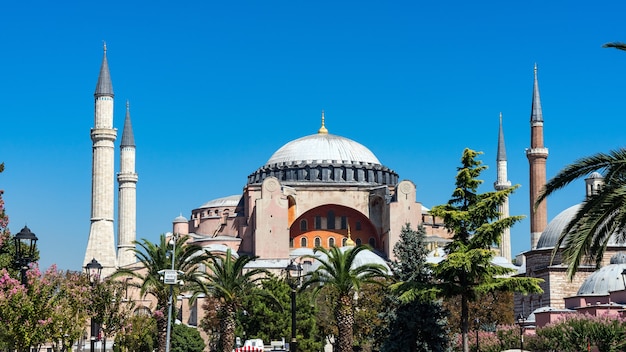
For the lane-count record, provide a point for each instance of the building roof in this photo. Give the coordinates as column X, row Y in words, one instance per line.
column 603, row 281
column 128, row 138
column 230, row 201
column 104, row 87
column 551, row 234
column 323, row 147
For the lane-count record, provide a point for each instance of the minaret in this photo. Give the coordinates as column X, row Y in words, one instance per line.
column 501, row 184
column 537, row 155
column 101, row 243
column 127, row 196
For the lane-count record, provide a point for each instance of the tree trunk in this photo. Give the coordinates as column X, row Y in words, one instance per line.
column 465, row 323
column 227, row 325
column 161, row 322
column 345, row 323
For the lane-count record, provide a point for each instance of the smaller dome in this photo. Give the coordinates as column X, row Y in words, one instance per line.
column 618, row 258
column 595, row 174
column 180, row 219
column 603, row 281
column 230, row 201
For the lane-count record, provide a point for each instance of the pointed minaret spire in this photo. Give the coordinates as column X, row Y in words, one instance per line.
column 127, row 196
column 101, row 242
column 537, row 155
column 501, row 184
column 104, row 87
column 128, row 139
column 322, row 129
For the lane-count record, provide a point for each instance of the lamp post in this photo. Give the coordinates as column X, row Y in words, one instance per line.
column 93, row 269
column 294, row 274
column 521, row 321
column 170, row 277
column 25, row 244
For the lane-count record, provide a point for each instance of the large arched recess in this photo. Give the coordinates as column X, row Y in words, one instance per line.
column 318, row 223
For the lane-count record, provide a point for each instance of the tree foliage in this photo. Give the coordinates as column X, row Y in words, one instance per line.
column 338, row 272
column 418, row 325
column 600, row 215
column 186, row 339
column 156, row 257
column 467, row 270
column 226, row 281
column 138, row 335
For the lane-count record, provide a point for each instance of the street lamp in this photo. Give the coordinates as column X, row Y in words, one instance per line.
column 294, row 274
column 25, row 244
column 477, row 321
column 170, row 277
column 521, row 321
column 93, row 269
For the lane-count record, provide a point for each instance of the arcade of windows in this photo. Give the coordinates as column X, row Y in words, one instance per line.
column 330, row 222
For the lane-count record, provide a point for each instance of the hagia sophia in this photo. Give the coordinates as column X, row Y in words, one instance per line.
column 328, row 190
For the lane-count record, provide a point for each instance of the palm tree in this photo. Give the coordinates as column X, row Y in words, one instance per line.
column 226, row 281
column 338, row 271
column 600, row 216
column 156, row 257
column 616, row 45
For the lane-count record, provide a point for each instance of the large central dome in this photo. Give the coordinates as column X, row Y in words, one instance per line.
column 324, row 158
column 320, row 148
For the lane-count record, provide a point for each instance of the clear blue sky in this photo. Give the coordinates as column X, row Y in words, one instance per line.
column 216, row 87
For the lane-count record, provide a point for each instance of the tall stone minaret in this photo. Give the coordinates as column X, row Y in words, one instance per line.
column 127, row 196
column 101, row 243
column 501, row 184
column 537, row 155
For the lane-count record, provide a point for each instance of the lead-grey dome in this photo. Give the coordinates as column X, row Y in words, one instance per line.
column 551, row 234
column 323, row 148
column 324, row 158
column 603, row 281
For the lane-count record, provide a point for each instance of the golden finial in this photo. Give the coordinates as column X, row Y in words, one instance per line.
column 349, row 241
column 104, row 43
column 436, row 251
column 322, row 129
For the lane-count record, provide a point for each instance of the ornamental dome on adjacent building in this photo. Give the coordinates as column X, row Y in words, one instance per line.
column 551, row 234
column 324, row 158
column 605, row 279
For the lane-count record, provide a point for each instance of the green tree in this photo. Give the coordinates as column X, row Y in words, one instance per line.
column 109, row 307
column 226, row 281
column 271, row 319
column 601, row 214
column 418, row 325
column 186, row 339
column 138, row 335
column 156, row 257
column 467, row 270
column 338, row 271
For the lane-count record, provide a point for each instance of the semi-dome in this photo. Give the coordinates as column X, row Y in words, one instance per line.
column 320, row 148
column 603, row 281
column 551, row 234
column 230, row 201
column 324, row 158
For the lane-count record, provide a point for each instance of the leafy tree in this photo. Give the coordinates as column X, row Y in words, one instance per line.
column 228, row 283
column 616, row 45
column 339, row 272
column 156, row 257
column 271, row 319
column 186, row 339
column 109, row 307
column 6, row 249
column 467, row 270
column 138, row 335
column 492, row 310
column 601, row 215
column 418, row 325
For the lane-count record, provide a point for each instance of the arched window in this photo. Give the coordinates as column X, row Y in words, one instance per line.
column 291, row 242
column 303, row 242
column 318, row 241
column 303, row 225
column 344, row 222
column 331, row 242
column 372, row 242
column 358, row 226
column 330, row 221
column 318, row 222
column 344, row 241
column 358, row 242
